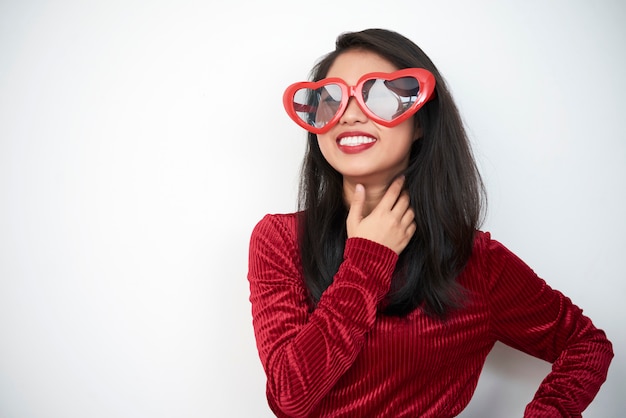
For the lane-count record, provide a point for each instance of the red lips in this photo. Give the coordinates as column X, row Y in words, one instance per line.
column 355, row 142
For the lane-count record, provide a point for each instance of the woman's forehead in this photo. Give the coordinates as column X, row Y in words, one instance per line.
column 352, row 64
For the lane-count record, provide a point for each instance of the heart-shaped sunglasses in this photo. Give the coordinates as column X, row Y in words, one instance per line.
column 386, row 98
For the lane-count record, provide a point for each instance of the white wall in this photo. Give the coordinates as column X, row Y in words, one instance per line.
column 132, row 170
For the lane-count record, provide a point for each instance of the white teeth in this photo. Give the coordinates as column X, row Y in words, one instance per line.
column 355, row 140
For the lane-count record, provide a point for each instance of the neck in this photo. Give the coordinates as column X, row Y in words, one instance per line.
column 374, row 191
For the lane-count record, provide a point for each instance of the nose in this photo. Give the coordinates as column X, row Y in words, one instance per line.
column 353, row 113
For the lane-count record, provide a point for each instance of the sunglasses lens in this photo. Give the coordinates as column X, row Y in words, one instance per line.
column 389, row 99
column 316, row 107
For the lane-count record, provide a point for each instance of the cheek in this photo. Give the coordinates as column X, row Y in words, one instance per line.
column 410, row 130
column 404, row 134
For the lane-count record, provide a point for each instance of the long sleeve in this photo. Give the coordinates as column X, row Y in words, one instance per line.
column 304, row 353
column 530, row 316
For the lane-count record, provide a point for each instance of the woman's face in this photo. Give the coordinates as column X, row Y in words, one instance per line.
column 358, row 148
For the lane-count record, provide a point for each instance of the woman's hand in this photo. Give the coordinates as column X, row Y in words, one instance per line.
column 389, row 224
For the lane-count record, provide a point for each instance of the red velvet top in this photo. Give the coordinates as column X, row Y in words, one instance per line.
column 344, row 359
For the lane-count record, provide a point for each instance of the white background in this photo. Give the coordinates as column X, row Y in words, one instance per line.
column 140, row 141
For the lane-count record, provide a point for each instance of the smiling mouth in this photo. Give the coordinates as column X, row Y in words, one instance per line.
column 353, row 141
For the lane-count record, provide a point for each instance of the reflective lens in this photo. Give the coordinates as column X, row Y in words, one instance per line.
column 317, row 107
column 388, row 99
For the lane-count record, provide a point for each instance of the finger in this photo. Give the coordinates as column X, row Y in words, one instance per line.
column 355, row 214
column 402, row 204
column 410, row 230
column 408, row 217
column 392, row 194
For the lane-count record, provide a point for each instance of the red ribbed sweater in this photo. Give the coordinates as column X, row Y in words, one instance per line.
column 344, row 359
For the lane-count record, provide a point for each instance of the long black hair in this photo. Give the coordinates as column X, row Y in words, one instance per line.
column 445, row 189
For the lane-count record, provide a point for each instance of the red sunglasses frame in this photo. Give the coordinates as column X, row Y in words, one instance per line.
column 426, row 89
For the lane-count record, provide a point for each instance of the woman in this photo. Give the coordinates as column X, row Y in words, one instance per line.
column 380, row 297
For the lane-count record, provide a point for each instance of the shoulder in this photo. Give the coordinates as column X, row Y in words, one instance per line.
column 276, row 233
column 282, row 226
column 489, row 259
column 274, row 247
column 487, row 251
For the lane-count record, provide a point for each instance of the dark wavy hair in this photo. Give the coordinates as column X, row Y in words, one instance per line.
column 445, row 189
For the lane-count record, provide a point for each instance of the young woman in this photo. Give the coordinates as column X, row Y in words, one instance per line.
column 380, row 297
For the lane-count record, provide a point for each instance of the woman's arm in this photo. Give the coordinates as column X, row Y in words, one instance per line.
column 304, row 353
column 530, row 316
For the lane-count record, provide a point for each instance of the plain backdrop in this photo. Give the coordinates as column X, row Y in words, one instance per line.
column 140, row 142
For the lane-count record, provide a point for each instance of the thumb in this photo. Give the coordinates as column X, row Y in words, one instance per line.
column 356, row 206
